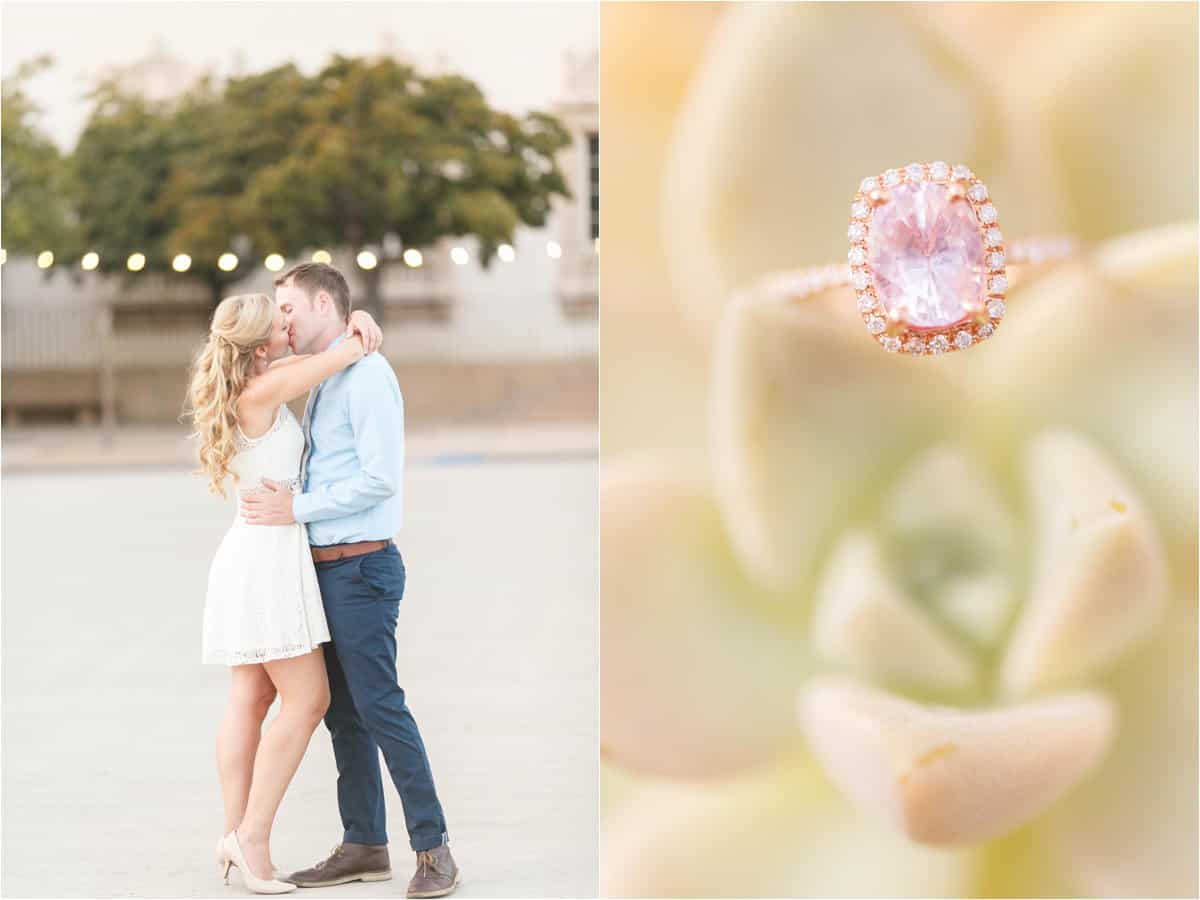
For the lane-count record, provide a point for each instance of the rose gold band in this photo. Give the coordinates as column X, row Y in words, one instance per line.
column 788, row 287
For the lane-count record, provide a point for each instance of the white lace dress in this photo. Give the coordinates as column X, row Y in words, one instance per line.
column 263, row 599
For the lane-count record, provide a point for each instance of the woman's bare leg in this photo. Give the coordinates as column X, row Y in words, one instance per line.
column 304, row 692
column 251, row 694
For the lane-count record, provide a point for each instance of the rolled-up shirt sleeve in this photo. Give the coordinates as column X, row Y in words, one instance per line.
column 376, row 413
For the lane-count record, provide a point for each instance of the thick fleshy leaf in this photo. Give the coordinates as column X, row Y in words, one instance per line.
column 783, row 122
column 1089, row 91
column 946, row 776
column 810, row 416
column 617, row 786
column 781, row 832
column 865, row 623
column 654, row 381
column 694, row 682
column 1107, row 347
column 1100, row 580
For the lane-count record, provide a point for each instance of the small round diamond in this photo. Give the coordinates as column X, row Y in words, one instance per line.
column 996, row 309
column 914, row 172
column 939, row 344
column 868, row 185
column 998, row 284
column 891, row 177
column 993, row 238
column 859, row 209
column 987, row 214
column 978, row 192
column 961, row 173
column 860, row 280
column 995, row 259
column 914, row 345
column 876, row 325
column 856, row 232
column 890, row 344
column 986, row 330
column 939, row 171
column 962, row 340
column 866, row 303
column 858, row 256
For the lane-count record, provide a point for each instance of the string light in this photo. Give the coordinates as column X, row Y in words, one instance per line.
column 228, row 262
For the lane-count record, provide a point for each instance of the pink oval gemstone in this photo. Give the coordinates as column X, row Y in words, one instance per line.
column 926, row 254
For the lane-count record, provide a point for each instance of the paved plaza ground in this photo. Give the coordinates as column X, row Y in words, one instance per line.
column 109, row 781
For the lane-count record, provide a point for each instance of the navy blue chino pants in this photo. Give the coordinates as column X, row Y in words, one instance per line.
column 367, row 713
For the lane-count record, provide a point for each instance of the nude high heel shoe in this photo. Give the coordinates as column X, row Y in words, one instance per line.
column 221, row 858
column 232, row 856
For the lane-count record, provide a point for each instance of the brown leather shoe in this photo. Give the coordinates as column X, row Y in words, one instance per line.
column 346, row 862
column 436, row 874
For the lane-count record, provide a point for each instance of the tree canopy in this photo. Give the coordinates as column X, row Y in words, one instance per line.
column 36, row 210
column 363, row 153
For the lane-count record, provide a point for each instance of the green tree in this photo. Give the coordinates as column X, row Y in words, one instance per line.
column 382, row 149
column 123, row 168
column 36, row 215
column 282, row 162
column 226, row 138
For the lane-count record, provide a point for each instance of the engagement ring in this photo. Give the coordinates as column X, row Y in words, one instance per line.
column 928, row 261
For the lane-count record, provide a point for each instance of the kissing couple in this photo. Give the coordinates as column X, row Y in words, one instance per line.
column 304, row 590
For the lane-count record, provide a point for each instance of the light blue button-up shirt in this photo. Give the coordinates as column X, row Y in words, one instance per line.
column 354, row 472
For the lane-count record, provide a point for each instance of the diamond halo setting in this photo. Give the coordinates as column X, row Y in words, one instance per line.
column 927, row 258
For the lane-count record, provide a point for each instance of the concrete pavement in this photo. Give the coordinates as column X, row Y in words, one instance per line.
column 109, row 783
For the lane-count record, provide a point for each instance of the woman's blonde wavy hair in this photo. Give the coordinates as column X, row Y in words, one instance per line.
column 220, row 372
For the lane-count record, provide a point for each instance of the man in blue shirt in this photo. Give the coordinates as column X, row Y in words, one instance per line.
column 351, row 478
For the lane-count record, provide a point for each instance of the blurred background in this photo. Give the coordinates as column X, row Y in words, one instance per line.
column 156, row 162
column 158, row 157
column 736, row 135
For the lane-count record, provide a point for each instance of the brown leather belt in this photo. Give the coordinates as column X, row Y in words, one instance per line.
column 341, row 551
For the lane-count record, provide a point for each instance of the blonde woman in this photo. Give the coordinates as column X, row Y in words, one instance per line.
column 263, row 615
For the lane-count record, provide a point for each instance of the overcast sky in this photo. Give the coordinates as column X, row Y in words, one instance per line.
column 513, row 50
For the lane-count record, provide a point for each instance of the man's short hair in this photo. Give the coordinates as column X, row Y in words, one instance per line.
column 312, row 277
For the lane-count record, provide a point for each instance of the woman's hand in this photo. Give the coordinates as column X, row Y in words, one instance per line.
column 353, row 347
column 363, row 324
